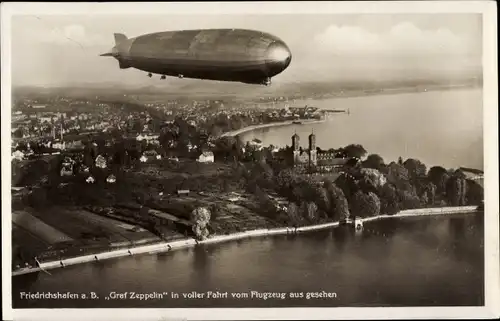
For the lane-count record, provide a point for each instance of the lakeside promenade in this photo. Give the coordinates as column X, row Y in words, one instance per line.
column 190, row 242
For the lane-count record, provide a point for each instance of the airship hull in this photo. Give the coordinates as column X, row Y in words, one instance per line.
column 216, row 54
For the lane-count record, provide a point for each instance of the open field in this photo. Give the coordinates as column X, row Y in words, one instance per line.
column 169, row 217
column 77, row 228
column 121, row 231
column 40, row 229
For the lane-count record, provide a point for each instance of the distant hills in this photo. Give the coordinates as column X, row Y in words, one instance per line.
column 203, row 88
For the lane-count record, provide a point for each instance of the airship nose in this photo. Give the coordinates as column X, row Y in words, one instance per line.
column 278, row 57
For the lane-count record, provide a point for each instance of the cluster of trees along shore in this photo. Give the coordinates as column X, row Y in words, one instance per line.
column 365, row 189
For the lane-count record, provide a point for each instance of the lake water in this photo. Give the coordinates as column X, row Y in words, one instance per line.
column 428, row 261
column 438, row 127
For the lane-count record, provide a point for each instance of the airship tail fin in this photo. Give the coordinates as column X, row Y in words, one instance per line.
column 119, row 38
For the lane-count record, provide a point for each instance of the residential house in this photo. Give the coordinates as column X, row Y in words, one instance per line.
column 184, row 192
column 206, row 157
column 191, row 146
column 18, row 155
column 150, row 155
column 84, row 169
column 111, row 179
column 256, row 143
column 66, row 170
column 101, row 162
column 90, row 180
column 59, row 145
column 77, row 144
column 149, row 138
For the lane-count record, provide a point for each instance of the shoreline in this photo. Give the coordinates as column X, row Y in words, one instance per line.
column 276, row 124
column 190, row 242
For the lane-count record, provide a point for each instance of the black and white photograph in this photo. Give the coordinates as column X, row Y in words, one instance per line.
column 226, row 157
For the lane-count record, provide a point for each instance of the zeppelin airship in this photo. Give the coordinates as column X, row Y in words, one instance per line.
column 237, row 55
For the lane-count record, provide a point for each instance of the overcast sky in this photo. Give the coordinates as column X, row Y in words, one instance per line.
column 54, row 50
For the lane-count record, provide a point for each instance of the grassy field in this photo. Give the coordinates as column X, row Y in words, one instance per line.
column 234, row 217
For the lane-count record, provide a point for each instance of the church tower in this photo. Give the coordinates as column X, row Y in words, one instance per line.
column 313, row 153
column 295, row 142
column 296, row 148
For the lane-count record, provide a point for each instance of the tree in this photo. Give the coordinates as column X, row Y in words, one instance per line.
column 365, row 204
column 323, row 200
column 439, row 177
column 18, row 133
column 372, row 178
column 166, row 139
column 374, row 161
column 389, row 201
column 431, row 193
column 285, row 178
column 265, row 203
column 455, row 191
column 398, row 175
column 312, row 212
column 22, row 146
column 293, row 213
column 89, row 155
column 119, row 155
column 463, row 192
column 458, row 173
column 339, row 207
column 408, row 200
column 215, row 131
column 215, row 211
column 348, row 184
column 354, row 150
column 224, row 147
column 415, row 168
column 474, row 193
column 200, row 217
column 137, row 125
column 38, row 198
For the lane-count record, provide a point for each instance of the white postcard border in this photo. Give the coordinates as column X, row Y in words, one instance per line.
column 490, row 90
